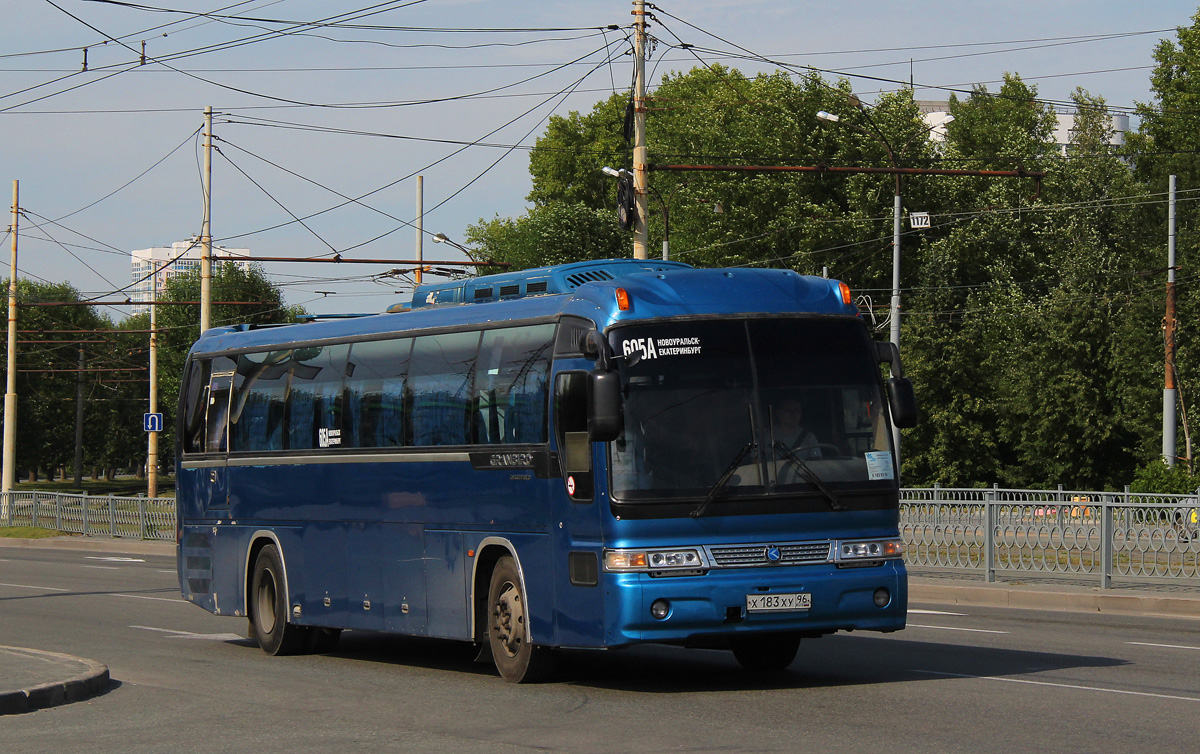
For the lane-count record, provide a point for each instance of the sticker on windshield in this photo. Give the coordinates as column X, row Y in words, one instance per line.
column 879, row 464
column 653, row 348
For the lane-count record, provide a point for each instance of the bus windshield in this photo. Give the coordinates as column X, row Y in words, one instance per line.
column 771, row 406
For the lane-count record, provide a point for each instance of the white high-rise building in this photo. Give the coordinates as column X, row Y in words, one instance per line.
column 936, row 113
column 169, row 261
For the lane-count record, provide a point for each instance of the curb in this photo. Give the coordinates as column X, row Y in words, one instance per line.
column 101, row 544
column 1089, row 601
column 93, row 680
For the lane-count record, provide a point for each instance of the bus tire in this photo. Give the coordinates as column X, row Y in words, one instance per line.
column 762, row 653
column 518, row 660
column 269, row 608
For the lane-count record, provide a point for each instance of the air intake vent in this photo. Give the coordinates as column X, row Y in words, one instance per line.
column 752, row 556
column 539, row 287
column 483, row 293
column 580, row 278
column 510, row 290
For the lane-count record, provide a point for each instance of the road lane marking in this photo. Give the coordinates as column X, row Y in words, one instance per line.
column 175, row 634
column 114, row 559
column 952, row 628
column 1165, row 646
column 159, row 599
column 103, row 568
column 934, row 612
column 27, row 586
column 1062, row 685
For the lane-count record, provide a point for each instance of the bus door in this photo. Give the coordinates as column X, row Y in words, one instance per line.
column 578, row 536
column 216, row 439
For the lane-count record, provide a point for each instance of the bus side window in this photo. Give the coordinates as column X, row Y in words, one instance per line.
column 195, row 399
column 374, row 400
column 314, row 406
column 220, row 390
column 440, row 377
column 256, row 417
column 511, row 385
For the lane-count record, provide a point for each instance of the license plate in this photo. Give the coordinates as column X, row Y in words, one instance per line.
column 778, row 603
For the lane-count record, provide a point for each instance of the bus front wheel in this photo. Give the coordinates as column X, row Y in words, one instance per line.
column 518, row 660
column 268, row 607
column 765, row 653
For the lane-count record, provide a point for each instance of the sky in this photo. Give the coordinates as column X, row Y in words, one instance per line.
column 327, row 112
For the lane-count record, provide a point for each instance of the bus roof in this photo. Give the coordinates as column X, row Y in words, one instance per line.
column 664, row 290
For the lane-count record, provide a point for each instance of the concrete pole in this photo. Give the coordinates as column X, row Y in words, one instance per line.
column 10, row 394
column 152, row 441
column 206, row 229
column 641, row 233
column 79, row 422
column 895, row 327
column 1169, row 448
column 420, row 246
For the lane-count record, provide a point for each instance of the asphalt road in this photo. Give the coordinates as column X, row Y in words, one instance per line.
column 961, row 680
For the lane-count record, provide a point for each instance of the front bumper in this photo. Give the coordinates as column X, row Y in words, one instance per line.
column 713, row 605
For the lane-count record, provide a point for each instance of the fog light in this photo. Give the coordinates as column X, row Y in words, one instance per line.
column 660, row 609
column 882, row 597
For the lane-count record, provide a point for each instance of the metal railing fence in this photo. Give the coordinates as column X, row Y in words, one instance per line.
column 137, row 517
column 1090, row 535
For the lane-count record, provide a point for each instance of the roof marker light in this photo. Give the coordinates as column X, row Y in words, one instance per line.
column 623, row 300
column 846, row 299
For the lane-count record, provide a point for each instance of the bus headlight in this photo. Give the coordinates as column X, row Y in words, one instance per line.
column 652, row 560
column 867, row 551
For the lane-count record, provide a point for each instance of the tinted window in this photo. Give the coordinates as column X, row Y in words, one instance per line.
column 219, row 390
column 375, row 395
column 194, row 401
column 511, row 385
column 314, row 407
column 256, row 419
column 441, row 374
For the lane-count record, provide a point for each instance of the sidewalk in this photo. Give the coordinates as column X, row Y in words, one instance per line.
column 44, row 679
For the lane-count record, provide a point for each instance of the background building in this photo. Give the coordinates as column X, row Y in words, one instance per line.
column 935, row 113
column 176, row 259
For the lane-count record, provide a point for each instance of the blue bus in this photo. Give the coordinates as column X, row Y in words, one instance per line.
column 591, row 455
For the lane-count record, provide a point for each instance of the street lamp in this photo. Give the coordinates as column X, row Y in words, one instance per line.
column 896, row 210
column 443, row 238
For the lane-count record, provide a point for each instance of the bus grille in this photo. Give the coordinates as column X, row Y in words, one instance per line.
column 750, row 556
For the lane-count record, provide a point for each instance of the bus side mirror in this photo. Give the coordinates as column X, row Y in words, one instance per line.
column 605, row 415
column 903, row 402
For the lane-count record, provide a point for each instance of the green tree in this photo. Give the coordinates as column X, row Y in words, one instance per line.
column 1164, row 144
column 179, row 326
column 549, row 234
column 47, row 374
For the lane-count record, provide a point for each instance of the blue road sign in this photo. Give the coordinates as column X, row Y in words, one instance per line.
column 152, row 422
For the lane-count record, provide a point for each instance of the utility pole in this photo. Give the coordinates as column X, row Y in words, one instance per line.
column 420, row 223
column 641, row 233
column 1169, row 402
column 10, row 394
column 79, row 422
column 206, row 229
column 152, row 440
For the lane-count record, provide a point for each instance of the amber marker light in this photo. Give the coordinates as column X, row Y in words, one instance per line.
column 845, row 289
column 622, row 299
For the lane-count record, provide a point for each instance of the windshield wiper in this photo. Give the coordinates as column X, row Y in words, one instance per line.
column 806, row 471
column 720, row 484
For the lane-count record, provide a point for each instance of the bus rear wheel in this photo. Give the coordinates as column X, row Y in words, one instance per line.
column 766, row 653
column 269, row 609
column 518, row 660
